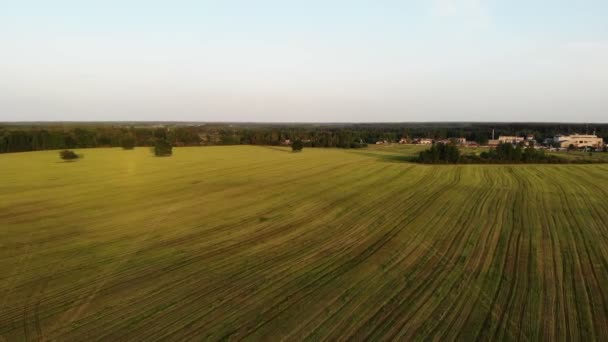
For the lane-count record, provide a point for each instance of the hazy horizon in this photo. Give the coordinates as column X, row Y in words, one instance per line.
column 304, row 62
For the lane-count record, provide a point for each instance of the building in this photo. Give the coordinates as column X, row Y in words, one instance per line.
column 579, row 141
column 530, row 140
column 508, row 139
column 424, row 141
column 461, row 141
column 505, row 139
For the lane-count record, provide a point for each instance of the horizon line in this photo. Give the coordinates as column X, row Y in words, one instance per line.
column 300, row 122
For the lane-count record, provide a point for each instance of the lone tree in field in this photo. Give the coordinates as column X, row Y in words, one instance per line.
column 297, row 145
column 162, row 148
column 127, row 143
column 68, row 155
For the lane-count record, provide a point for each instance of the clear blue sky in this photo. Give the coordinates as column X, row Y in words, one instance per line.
column 262, row 60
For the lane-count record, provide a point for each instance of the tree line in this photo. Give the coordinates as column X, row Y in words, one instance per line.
column 33, row 137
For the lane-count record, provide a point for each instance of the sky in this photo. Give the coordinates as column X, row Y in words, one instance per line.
column 304, row 61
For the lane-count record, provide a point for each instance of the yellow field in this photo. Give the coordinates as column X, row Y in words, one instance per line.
column 260, row 243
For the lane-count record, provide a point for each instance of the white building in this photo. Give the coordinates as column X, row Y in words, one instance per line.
column 506, row 139
column 579, row 140
column 424, row 141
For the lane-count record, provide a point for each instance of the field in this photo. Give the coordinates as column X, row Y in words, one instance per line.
column 260, row 243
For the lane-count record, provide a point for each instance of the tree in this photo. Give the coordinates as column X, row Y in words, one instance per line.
column 517, row 153
column 530, row 154
column 127, row 142
column 440, row 153
column 570, row 147
column 160, row 133
column 297, row 145
column 452, row 154
column 68, row 155
column 162, row 148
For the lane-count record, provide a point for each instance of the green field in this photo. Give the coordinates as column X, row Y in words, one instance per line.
column 260, row 243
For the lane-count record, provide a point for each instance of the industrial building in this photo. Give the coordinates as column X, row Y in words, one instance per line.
column 579, row 141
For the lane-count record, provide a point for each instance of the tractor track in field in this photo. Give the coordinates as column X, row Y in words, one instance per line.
column 141, row 250
column 371, row 185
column 387, row 308
column 482, row 297
column 585, row 255
column 447, row 257
column 107, row 288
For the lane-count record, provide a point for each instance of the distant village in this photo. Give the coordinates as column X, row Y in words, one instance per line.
column 587, row 142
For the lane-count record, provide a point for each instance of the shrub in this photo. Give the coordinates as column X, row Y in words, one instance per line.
column 127, row 143
column 162, row 148
column 357, row 144
column 297, row 145
column 68, row 155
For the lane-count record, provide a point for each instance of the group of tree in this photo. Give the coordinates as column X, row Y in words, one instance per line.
column 440, row 153
column 509, row 153
column 503, row 154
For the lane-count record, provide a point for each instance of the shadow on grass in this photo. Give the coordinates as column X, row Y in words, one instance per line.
column 276, row 148
column 389, row 158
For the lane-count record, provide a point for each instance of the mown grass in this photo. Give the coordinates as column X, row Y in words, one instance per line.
column 252, row 242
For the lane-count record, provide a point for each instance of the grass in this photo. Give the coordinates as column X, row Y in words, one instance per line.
column 580, row 155
column 252, row 242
